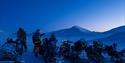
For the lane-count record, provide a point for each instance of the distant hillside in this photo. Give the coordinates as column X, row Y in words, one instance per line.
column 115, row 30
column 76, row 32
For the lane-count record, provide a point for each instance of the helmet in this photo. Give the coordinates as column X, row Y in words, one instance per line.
column 38, row 30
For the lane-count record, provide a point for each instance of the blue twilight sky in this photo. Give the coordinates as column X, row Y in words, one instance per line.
column 49, row 15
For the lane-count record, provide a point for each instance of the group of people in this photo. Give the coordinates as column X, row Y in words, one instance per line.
column 21, row 40
column 95, row 53
column 71, row 51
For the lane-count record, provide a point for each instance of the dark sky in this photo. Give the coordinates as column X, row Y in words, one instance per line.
column 49, row 15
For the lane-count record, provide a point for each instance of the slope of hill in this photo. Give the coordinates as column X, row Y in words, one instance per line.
column 115, row 30
column 75, row 33
column 118, row 38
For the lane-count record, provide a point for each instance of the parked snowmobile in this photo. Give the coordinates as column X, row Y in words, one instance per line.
column 10, row 51
column 115, row 55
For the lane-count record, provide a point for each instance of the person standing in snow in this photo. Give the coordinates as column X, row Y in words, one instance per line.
column 37, row 41
column 114, row 45
column 65, row 49
column 51, row 50
column 53, row 40
column 21, row 36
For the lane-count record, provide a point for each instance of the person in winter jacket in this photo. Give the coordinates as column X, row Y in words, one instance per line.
column 21, row 37
column 37, row 40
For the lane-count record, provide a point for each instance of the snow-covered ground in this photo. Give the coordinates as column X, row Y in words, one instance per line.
column 29, row 57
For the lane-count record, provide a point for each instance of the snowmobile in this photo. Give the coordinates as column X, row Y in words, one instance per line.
column 115, row 56
column 10, row 51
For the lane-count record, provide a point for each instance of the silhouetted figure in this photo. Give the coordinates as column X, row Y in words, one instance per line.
column 98, row 49
column 94, row 52
column 46, row 42
column 44, row 46
column 114, row 45
column 53, row 41
column 21, row 37
column 65, row 49
column 37, row 36
column 115, row 55
column 10, row 40
column 50, row 52
column 78, row 46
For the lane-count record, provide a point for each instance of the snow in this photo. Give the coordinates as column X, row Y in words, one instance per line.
column 116, row 30
column 81, row 29
column 66, row 34
column 28, row 56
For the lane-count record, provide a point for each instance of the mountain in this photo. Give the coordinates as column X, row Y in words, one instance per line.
column 75, row 33
column 116, row 35
column 78, row 28
column 118, row 38
column 115, row 30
